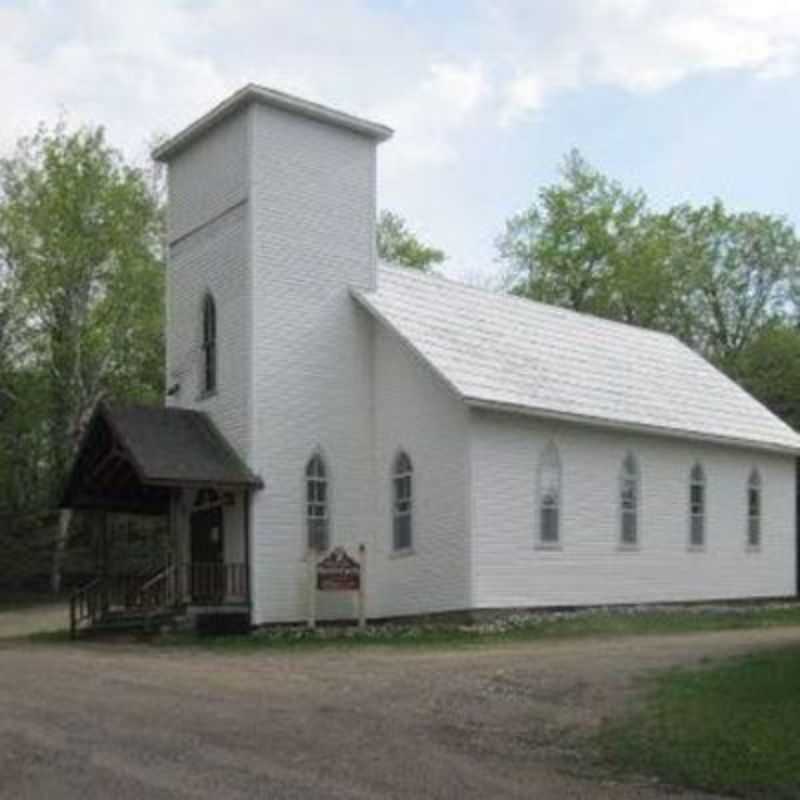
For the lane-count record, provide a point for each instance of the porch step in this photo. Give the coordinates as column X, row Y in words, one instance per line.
column 132, row 622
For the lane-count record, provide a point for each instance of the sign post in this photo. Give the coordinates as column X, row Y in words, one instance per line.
column 312, row 589
column 362, row 589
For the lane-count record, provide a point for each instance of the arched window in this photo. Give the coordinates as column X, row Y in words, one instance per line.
column 697, row 506
column 209, row 344
column 754, row 509
column 550, row 497
column 629, row 501
column 317, row 499
column 402, row 503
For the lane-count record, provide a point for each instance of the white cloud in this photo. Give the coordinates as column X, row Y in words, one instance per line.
column 636, row 45
column 443, row 82
column 430, row 115
column 526, row 93
column 151, row 65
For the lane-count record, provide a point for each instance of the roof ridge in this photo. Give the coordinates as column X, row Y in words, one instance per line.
column 416, row 274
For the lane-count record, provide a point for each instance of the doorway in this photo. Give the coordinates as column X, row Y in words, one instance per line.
column 207, row 568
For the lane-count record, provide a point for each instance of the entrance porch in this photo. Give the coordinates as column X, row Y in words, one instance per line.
column 173, row 470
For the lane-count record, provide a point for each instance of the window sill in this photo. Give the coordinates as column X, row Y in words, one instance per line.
column 404, row 553
column 628, row 548
column 753, row 548
column 696, row 548
column 555, row 546
column 206, row 395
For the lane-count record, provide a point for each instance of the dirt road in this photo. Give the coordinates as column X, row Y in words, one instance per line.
column 133, row 721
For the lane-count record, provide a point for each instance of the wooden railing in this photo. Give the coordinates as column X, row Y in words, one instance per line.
column 123, row 592
column 85, row 606
column 198, row 583
column 161, row 591
column 210, row 584
column 92, row 602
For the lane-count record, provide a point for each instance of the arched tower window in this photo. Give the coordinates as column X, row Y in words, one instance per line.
column 209, row 344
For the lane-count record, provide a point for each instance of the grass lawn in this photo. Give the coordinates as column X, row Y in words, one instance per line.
column 733, row 728
column 521, row 629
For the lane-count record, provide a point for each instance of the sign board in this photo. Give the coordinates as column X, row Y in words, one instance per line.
column 337, row 572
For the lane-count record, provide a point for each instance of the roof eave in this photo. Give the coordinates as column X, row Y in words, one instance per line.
column 633, row 427
column 252, row 482
column 253, row 93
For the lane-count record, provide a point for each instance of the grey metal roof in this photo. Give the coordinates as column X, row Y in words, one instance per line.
column 512, row 354
column 177, row 446
column 252, row 93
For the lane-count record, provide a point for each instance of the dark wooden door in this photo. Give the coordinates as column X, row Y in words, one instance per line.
column 207, row 570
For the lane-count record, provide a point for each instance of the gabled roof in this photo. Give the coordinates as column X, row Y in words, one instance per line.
column 129, row 456
column 178, row 446
column 513, row 354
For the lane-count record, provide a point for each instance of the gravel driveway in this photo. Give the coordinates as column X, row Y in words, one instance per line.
column 132, row 721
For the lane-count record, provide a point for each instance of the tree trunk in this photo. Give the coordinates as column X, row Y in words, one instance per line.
column 62, row 536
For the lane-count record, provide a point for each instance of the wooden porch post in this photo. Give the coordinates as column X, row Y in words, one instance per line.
column 176, row 497
column 101, row 523
column 248, row 569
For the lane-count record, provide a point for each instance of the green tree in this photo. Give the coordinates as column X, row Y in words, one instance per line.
column 589, row 244
column 726, row 283
column 742, row 268
column 769, row 368
column 24, row 484
column 81, row 254
column 398, row 245
column 713, row 277
column 564, row 248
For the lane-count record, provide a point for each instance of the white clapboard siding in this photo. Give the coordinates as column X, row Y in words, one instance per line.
column 590, row 567
column 272, row 206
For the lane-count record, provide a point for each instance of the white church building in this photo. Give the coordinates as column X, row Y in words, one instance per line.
column 488, row 451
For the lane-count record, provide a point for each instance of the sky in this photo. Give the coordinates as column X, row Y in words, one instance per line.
column 686, row 99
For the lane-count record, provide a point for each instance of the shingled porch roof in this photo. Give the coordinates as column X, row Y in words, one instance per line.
column 131, row 457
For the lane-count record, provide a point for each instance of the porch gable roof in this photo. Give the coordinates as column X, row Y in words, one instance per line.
column 153, row 448
column 178, row 446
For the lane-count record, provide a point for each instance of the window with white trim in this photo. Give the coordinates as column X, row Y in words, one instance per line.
column 754, row 509
column 629, row 501
column 317, row 499
column 550, row 497
column 697, row 507
column 402, row 503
